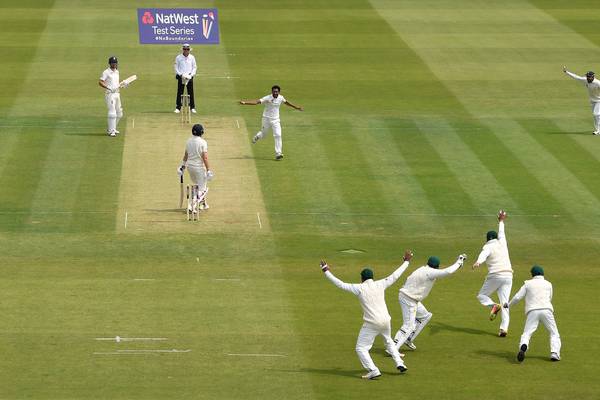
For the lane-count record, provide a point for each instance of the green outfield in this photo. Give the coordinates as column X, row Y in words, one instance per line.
column 422, row 119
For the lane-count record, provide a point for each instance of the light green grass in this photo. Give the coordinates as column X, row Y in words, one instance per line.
column 422, row 119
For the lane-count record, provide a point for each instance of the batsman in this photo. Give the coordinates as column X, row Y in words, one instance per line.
column 195, row 159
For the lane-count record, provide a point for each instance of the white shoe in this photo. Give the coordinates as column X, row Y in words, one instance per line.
column 116, row 131
column 554, row 357
column 410, row 345
column 176, row 111
column 372, row 374
column 402, row 368
column 111, row 134
column 193, row 111
column 596, row 133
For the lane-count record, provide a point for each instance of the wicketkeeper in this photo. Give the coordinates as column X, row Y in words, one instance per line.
column 416, row 288
column 538, row 306
column 376, row 317
column 500, row 274
column 195, row 159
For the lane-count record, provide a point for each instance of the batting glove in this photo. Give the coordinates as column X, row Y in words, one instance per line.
column 180, row 170
column 462, row 258
column 209, row 175
column 324, row 266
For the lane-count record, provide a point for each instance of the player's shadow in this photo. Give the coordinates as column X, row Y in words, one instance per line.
column 329, row 371
column 585, row 133
column 437, row 327
column 84, row 134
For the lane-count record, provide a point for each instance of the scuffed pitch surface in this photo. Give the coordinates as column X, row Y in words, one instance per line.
column 149, row 190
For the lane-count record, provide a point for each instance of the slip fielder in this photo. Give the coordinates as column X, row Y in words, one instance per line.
column 270, row 117
column 376, row 317
column 500, row 274
column 593, row 86
column 538, row 307
column 416, row 288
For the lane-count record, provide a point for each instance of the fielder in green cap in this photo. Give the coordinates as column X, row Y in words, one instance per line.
column 376, row 317
column 538, row 306
column 500, row 273
column 418, row 285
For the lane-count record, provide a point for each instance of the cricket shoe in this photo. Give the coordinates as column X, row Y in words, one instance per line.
column 521, row 354
column 502, row 333
column 410, row 345
column 372, row 374
column 494, row 312
column 111, row 133
column 193, row 111
column 596, row 133
column 402, row 368
column 279, row 157
column 116, row 131
column 554, row 357
column 177, row 111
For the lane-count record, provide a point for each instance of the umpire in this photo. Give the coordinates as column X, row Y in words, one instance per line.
column 185, row 70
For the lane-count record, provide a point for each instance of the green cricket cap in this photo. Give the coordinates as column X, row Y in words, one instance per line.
column 537, row 270
column 491, row 235
column 366, row 273
column 433, row 262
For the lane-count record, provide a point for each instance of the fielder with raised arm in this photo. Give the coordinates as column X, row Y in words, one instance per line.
column 376, row 317
column 270, row 117
column 195, row 159
column 416, row 288
column 593, row 86
column 111, row 83
column 500, row 274
column 538, row 306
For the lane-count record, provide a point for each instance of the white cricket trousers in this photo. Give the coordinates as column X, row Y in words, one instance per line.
column 531, row 324
column 414, row 318
column 275, row 126
column 115, row 111
column 197, row 176
column 501, row 284
column 596, row 114
column 367, row 336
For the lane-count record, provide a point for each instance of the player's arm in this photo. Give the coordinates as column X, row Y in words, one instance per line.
column 574, row 76
column 501, row 217
column 517, row 297
column 182, row 165
column 205, row 160
column 287, row 103
column 485, row 253
column 442, row 273
column 102, row 84
column 349, row 287
column 390, row 280
column 250, row 102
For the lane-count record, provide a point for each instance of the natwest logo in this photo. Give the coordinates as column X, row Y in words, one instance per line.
column 177, row 18
column 147, row 18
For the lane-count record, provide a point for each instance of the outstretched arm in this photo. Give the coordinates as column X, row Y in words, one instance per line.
column 574, row 76
column 349, row 287
column 250, row 102
column 517, row 297
column 442, row 273
column 501, row 217
column 287, row 103
column 390, row 280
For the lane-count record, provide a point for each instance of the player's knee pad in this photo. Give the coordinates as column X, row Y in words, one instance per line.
column 120, row 113
column 112, row 114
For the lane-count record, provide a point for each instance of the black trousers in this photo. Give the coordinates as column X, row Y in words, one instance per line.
column 190, row 91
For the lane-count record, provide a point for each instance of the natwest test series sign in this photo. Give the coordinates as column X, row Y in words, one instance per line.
column 178, row 25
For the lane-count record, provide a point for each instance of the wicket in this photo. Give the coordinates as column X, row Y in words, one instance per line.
column 186, row 116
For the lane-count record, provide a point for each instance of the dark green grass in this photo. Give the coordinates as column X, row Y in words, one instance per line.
column 364, row 170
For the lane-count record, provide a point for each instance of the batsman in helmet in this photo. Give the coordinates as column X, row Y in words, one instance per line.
column 111, row 83
column 195, row 159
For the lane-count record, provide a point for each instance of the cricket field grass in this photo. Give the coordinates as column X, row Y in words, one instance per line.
column 421, row 120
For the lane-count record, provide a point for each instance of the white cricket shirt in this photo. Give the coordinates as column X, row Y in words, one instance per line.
column 419, row 283
column 371, row 295
column 495, row 254
column 538, row 294
column 593, row 88
column 110, row 78
column 194, row 147
column 185, row 65
column 272, row 105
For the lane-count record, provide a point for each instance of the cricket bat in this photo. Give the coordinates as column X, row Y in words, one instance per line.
column 127, row 81
column 181, row 191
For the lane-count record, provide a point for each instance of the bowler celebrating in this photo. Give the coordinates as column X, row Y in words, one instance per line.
column 417, row 287
column 500, row 273
column 538, row 306
column 270, row 117
column 593, row 86
column 110, row 82
column 371, row 295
